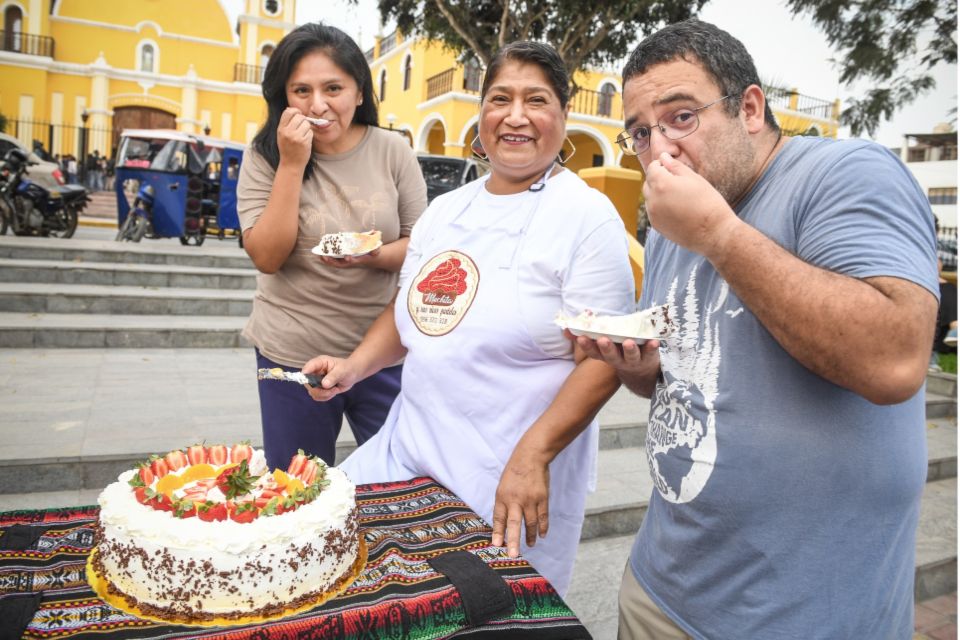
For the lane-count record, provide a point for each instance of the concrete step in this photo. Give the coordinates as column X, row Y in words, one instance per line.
column 118, row 300
column 78, row 330
column 213, row 255
column 944, row 384
column 624, row 484
column 126, row 275
column 601, row 561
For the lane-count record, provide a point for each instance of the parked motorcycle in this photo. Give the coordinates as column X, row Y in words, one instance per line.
column 139, row 222
column 30, row 209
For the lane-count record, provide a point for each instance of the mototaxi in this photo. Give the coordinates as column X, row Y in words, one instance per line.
column 191, row 181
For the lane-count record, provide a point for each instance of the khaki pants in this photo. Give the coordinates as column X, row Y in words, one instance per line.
column 640, row 617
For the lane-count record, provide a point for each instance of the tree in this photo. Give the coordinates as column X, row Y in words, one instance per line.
column 891, row 43
column 583, row 33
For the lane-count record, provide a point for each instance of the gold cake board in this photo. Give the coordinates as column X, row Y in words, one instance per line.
column 118, row 601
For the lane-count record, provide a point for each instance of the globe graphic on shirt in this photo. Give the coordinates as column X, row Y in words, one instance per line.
column 681, row 441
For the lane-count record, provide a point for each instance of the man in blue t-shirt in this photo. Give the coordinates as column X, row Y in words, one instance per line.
column 786, row 430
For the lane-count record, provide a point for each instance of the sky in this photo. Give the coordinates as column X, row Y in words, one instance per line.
column 788, row 51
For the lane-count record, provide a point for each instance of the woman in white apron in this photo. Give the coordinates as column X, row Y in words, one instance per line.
column 495, row 404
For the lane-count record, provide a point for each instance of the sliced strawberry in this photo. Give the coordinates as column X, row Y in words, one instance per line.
column 309, row 472
column 242, row 451
column 161, row 502
column 244, row 512
column 146, row 474
column 217, row 455
column 176, row 460
column 297, row 463
column 212, row 511
column 140, row 493
column 196, row 454
column 159, row 466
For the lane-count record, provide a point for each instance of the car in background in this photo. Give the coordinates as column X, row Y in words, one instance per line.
column 445, row 173
column 46, row 174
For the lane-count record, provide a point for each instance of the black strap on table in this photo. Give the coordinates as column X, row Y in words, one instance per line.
column 20, row 537
column 484, row 593
column 16, row 612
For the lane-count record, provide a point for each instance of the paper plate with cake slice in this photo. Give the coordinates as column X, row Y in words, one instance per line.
column 650, row 324
column 348, row 244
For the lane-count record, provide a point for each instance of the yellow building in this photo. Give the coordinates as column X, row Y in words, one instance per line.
column 432, row 96
column 108, row 65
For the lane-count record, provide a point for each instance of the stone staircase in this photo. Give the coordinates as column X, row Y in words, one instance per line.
column 89, row 293
column 89, row 319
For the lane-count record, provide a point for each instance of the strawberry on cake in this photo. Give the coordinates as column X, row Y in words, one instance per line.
column 209, row 534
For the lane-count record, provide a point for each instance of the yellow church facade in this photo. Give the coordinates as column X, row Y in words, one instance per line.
column 104, row 66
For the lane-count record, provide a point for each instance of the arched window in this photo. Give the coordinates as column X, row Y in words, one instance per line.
column 605, row 99
column 265, row 52
column 147, row 55
column 407, row 70
column 12, row 28
column 471, row 74
column 383, row 85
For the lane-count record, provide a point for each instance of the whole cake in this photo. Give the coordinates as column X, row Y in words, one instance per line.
column 211, row 534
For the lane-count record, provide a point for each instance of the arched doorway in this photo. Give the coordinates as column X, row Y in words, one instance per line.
column 436, row 139
column 140, row 118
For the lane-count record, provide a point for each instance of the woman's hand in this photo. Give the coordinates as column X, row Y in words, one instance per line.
column 522, row 501
column 294, row 138
column 337, row 375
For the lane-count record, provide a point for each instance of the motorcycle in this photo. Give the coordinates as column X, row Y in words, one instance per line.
column 30, row 209
column 139, row 222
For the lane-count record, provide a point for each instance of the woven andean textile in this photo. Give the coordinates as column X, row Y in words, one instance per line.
column 398, row 596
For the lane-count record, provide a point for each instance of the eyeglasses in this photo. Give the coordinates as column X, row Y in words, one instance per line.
column 675, row 125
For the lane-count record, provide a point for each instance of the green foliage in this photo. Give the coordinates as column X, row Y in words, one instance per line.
column 892, row 44
column 594, row 34
column 948, row 362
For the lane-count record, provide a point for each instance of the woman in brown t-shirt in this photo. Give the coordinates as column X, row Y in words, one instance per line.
column 301, row 180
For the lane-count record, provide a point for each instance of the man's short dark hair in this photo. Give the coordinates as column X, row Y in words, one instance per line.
column 722, row 56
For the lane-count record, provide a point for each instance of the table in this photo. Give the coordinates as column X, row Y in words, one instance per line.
column 398, row 595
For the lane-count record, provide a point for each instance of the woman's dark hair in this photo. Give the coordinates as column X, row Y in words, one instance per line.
column 722, row 56
column 527, row 52
column 344, row 53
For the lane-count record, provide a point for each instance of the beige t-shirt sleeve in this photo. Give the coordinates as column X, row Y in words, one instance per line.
column 253, row 187
column 411, row 188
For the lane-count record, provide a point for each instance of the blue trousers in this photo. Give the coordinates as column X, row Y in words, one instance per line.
column 292, row 420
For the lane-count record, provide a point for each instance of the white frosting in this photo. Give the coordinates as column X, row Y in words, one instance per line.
column 278, row 544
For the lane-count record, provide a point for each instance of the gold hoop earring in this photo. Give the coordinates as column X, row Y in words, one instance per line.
column 475, row 145
column 573, row 151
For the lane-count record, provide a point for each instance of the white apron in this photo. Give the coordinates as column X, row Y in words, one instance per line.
column 474, row 379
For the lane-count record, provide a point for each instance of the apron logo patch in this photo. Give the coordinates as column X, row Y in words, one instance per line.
column 442, row 292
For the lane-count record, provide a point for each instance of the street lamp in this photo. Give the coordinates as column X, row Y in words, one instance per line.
column 206, row 128
column 84, row 116
column 391, row 118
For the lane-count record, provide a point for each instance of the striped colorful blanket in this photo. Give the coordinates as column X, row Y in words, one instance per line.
column 397, row 596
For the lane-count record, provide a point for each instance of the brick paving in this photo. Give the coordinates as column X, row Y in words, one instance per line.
column 936, row 619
